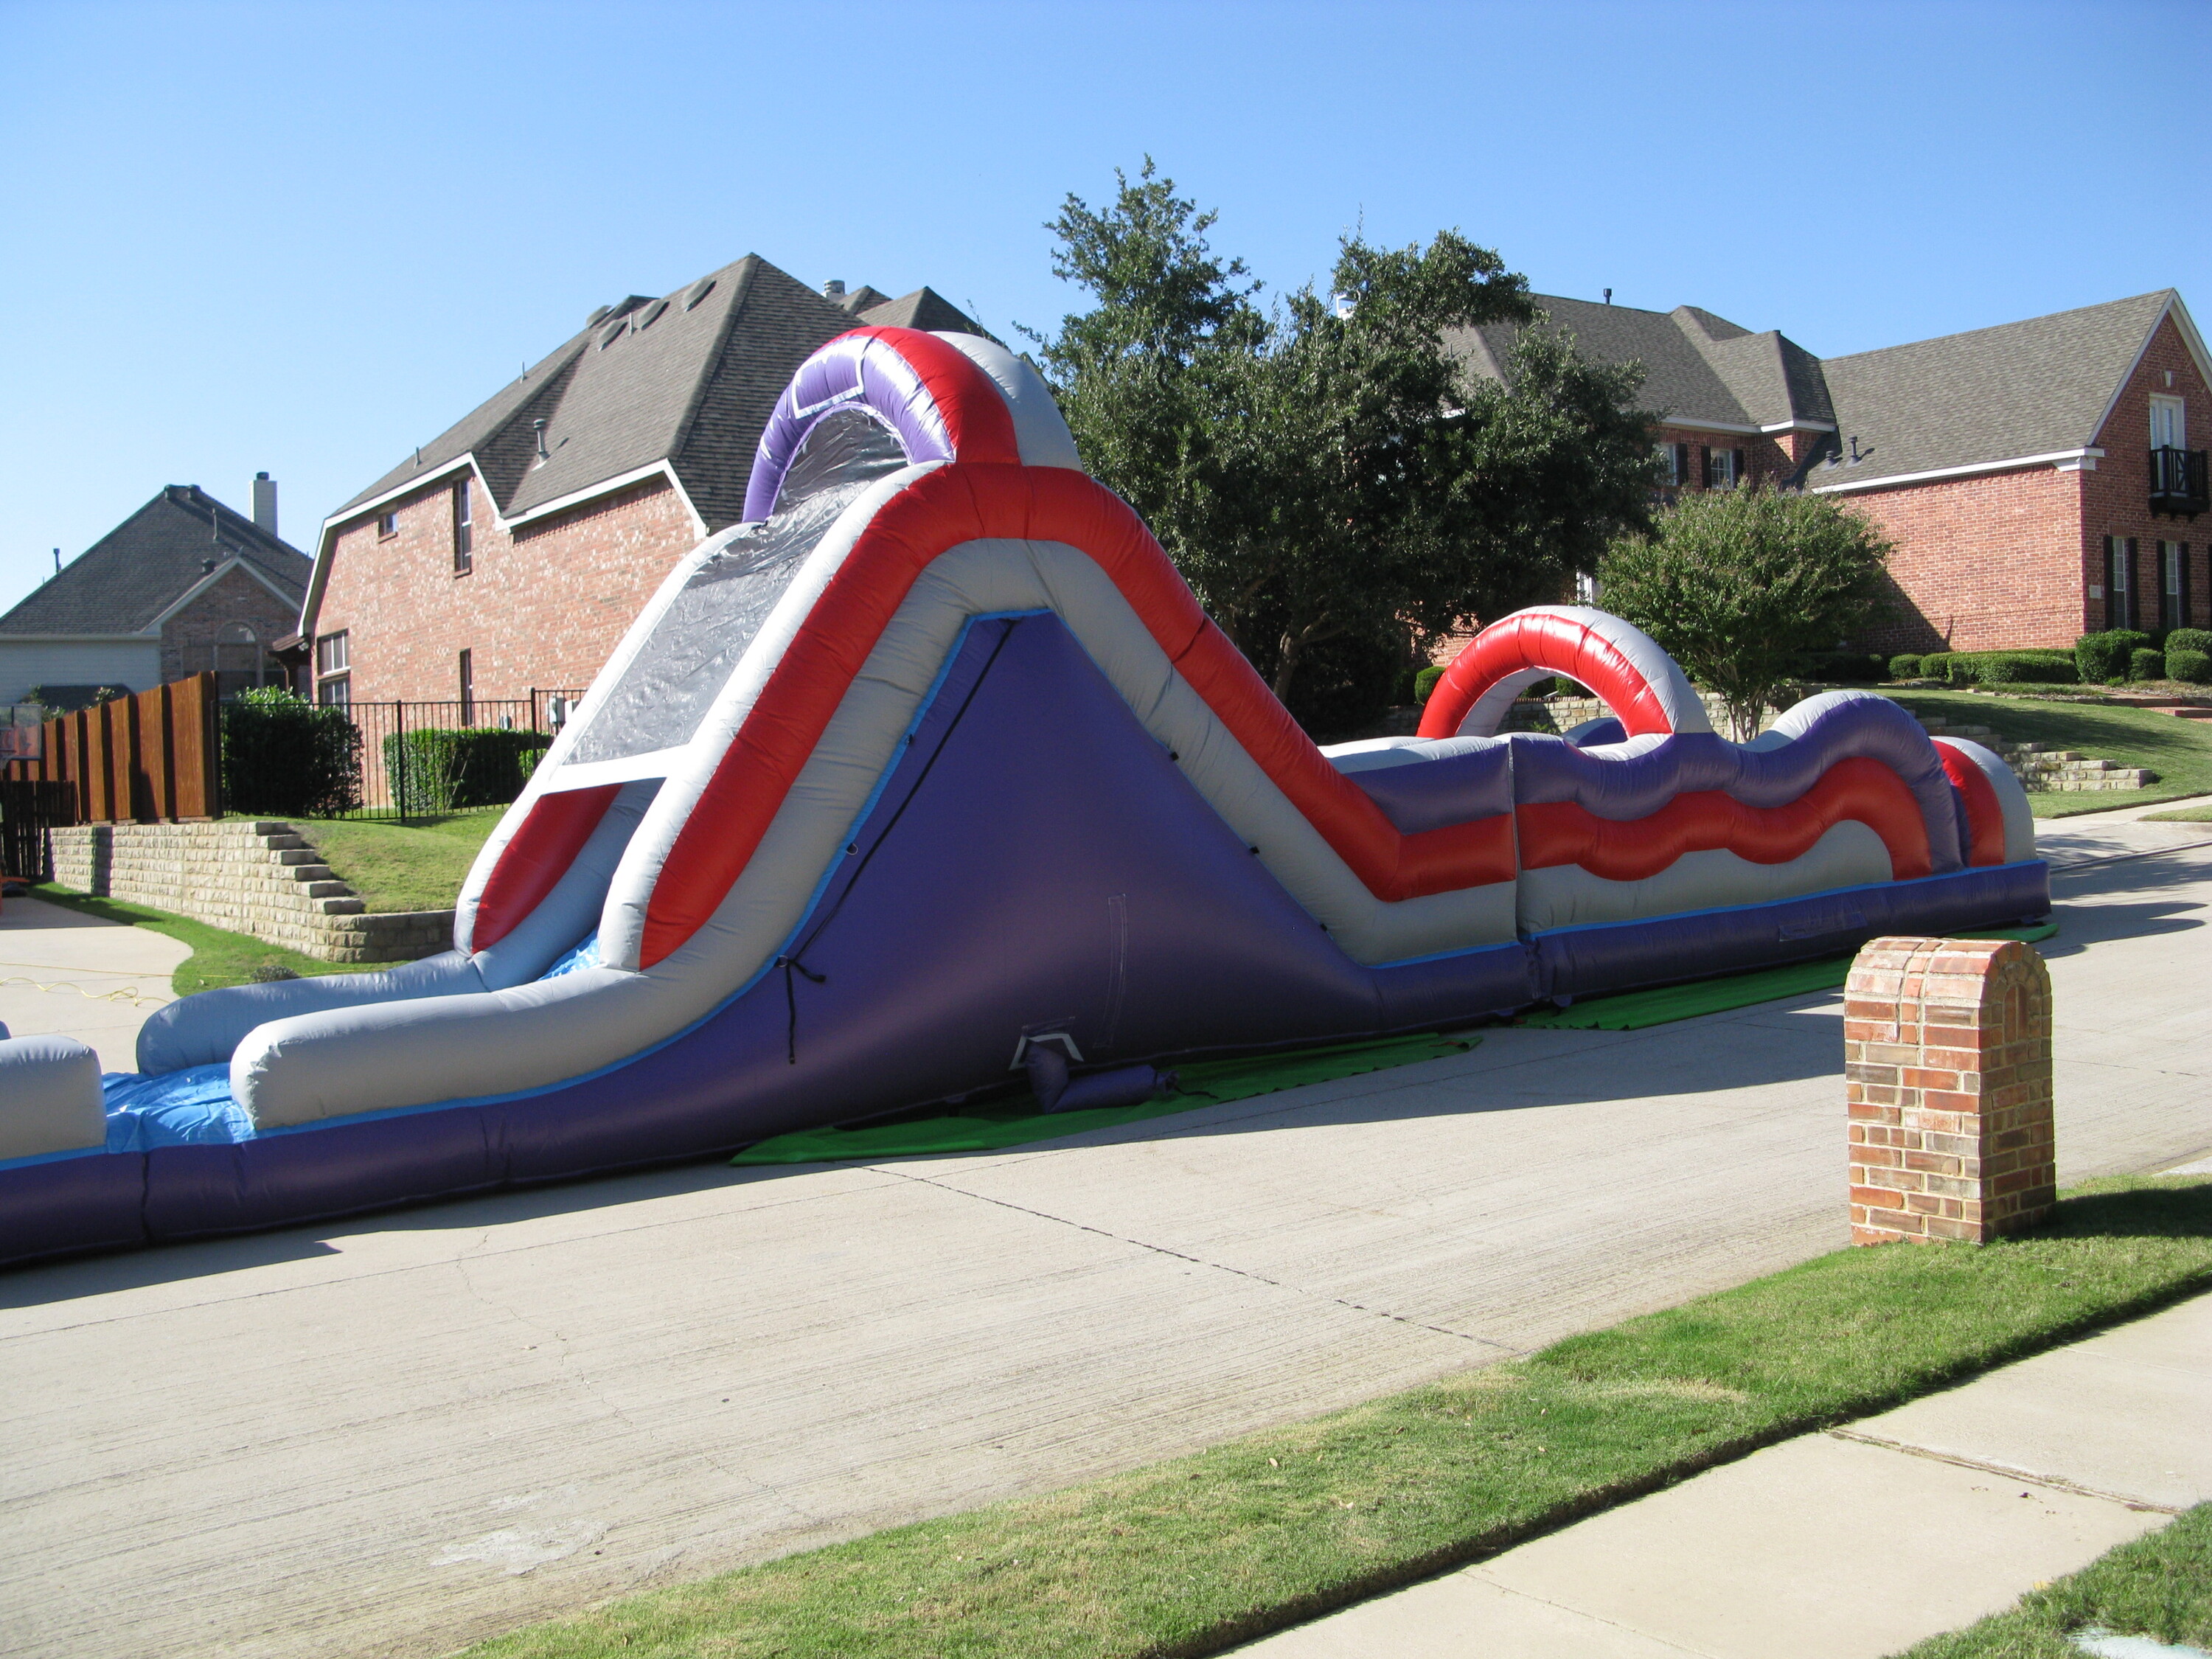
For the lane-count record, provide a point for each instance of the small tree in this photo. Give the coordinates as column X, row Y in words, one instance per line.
column 1739, row 587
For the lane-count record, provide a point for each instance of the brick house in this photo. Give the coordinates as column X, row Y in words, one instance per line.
column 182, row 585
column 2036, row 478
column 512, row 551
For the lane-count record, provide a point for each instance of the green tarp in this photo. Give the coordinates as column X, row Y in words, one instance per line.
column 1016, row 1118
column 1631, row 1011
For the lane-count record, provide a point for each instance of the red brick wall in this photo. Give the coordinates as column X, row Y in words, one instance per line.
column 1767, row 460
column 2115, row 497
column 238, row 597
column 543, row 608
column 1989, row 563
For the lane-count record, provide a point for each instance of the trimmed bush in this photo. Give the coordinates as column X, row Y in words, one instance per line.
column 1844, row 667
column 2146, row 664
column 2190, row 666
column 1425, row 682
column 440, row 769
column 2023, row 668
column 2189, row 639
column 2103, row 658
column 1905, row 667
column 285, row 757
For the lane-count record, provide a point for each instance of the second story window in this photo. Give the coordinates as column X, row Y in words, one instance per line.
column 1724, row 468
column 387, row 525
column 463, row 535
column 2169, row 423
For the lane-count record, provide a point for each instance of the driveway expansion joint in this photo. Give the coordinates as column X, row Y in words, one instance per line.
column 1502, row 1349
column 2051, row 1482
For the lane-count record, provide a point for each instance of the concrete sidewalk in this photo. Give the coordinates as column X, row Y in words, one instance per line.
column 65, row 972
column 394, row 1434
column 1849, row 1545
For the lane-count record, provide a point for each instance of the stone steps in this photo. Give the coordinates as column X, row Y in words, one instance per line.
column 2043, row 769
column 260, row 877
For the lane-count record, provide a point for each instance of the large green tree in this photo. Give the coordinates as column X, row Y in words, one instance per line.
column 1324, row 473
column 1741, row 586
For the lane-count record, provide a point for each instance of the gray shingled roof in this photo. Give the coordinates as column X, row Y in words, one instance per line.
column 137, row 570
column 2037, row 388
column 687, row 379
column 1697, row 367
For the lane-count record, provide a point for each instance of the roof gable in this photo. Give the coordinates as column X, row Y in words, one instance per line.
column 125, row 582
column 2040, row 388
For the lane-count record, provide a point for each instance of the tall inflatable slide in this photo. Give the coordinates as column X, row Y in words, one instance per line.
column 936, row 754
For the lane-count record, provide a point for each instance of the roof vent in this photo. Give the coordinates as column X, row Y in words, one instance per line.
column 597, row 313
column 613, row 332
column 698, row 291
column 651, row 315
column 537, row 427
column 833, row 289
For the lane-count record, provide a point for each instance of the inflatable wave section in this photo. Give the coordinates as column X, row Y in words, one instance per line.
column 936, row 754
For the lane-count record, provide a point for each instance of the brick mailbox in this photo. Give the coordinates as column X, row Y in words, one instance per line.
column 1947, row 1067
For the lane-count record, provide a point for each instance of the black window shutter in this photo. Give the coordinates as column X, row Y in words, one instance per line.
column 1705, row 464
column 1681, row 464
column 2112, row 585
column 1740, row 474
column 2135, row 588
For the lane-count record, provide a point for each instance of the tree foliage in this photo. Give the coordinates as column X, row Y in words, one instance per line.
column 1740, row 586
column 1325, row 474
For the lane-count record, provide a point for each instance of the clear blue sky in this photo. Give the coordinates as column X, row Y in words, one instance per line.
column 305, row 237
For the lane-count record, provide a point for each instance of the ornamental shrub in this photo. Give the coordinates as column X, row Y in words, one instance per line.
column 441, row 769
column 288, row 758
column 2102, row 659
column 2188, row 638
column 1905, row 667
column 1425, row 682
column 2145, row 663
column 2193, row 667
column 1844, row 667
column 2025, row 668
column 1937, row 666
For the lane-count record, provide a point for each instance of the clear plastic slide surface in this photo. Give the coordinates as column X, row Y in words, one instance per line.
column 932, row 773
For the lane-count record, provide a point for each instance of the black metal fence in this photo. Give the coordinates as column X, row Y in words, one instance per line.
column 403, row 761
column 28, row 808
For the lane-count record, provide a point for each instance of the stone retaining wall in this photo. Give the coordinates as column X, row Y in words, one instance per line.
column 260, row 877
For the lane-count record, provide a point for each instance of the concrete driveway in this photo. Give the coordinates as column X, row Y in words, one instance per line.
column 398, row 1434
column 63, row 971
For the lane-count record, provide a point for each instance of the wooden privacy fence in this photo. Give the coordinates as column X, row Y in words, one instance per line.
column 148, row 758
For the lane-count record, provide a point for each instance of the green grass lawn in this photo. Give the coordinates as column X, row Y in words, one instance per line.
column 2158, row 1586
column 2179, row 751
column 1191, row 1556
column 219, row 956
column 417, row 866
column 2184, row 815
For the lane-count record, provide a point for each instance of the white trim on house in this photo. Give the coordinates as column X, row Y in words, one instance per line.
column 235, row 560
column 326, row 543
column 2059, row 460
column 1737, row 427
column 78, row 639
column 2187, row 327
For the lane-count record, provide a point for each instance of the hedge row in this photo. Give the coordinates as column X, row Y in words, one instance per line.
column 439, row 769
column 1987, row 667
column 284, row 757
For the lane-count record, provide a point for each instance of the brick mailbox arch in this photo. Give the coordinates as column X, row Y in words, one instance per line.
column 1947, row 1067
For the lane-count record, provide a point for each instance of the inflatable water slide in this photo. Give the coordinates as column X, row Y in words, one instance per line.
column 934, row 761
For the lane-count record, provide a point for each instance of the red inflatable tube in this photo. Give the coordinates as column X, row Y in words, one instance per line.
column 1985, row 828
column 969, row 401
column 969, row 502
column 1556, row 643
column 1561, row 832
column 536, row 857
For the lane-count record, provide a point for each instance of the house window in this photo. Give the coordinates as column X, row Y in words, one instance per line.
column 1724, row 468
column 2119, row 581
column 462, row 536
column 468, row 688
column 2169, row 423
column 2173, row 584
column 1674, row 465
column 333, row 685
column 387, row 525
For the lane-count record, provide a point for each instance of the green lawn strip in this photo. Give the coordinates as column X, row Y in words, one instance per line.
column 1191, row 1556
column 417, row 865
column 2182, row 815
column 1018, row 1119
column 219, row 957
column 2179, row 751
column 1632, row 1011
column 2160, row 1586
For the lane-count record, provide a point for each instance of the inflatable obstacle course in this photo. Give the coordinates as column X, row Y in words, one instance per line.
column 935, row 757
